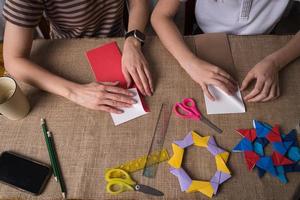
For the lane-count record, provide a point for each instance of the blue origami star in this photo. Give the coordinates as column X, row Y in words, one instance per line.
column 286, row 150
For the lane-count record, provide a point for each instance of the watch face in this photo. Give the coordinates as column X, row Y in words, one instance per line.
column 139, row 35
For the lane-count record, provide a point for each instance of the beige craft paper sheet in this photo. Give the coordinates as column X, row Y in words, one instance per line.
column 87, row 141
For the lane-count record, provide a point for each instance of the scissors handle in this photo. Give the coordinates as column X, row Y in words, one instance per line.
column 117, row 187
column 187, row 109
column 118, row 181
column 120, row 175
column 189, row 102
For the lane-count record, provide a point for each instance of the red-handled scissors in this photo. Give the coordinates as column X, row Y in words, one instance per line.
column 187, row 109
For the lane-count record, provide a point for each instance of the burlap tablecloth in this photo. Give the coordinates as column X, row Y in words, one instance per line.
column 87, row 142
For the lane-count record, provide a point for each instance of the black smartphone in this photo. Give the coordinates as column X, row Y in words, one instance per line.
column 23, row 173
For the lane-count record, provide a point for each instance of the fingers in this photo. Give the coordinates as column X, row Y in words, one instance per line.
column 118, row 90
column 263, row 94
column 272, row 94
column 207, row 92
column 249, row 77
column 114, row 96
column 110, row 83
column 109, row 109
column 145, row 81
column 227, row 76
column 257, row 89
column 127, row 77
column 119, row 98
column 115, row 104
column 222, row 86
column 150, row 81
column 137, row 80
column 227, row 83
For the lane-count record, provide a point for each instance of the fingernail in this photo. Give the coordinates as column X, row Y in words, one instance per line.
column 132, row 94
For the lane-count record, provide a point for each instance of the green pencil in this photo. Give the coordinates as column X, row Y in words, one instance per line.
column 53, row 158
column 57, row 167
column 50, row 151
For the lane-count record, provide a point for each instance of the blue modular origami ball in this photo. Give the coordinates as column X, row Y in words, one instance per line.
column 285, row 155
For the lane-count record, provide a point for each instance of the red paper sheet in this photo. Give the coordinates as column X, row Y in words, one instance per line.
column 105, row 62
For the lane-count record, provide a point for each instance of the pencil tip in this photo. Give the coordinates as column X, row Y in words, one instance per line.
column 42, row 120
column 63, row 195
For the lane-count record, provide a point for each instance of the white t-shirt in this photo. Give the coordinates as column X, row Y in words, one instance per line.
column 240, row 17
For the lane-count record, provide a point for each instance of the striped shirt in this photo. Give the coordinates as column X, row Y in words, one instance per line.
column 69, row 18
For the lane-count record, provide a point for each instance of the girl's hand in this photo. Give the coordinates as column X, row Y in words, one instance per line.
column 207, row 74
column 267, row 86
column 101, row 96
column 135, row 66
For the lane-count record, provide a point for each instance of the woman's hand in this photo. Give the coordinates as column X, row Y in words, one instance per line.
column 101, row 96
column 207, row 74
column 135, row 66
column 267, row 86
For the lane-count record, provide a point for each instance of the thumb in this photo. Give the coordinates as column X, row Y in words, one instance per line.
column 249, row 77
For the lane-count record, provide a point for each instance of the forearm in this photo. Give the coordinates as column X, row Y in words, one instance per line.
column 25, row 70
column 288, row 53
column 172, row 39
column 16, row 53
column 138, row 15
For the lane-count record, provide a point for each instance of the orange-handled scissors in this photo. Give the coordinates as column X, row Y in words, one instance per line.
column 187, row 109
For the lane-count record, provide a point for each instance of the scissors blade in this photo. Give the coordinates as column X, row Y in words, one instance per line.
column 148, row 190
column 210, row 124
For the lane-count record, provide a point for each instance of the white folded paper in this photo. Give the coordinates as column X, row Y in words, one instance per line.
column 133, row 112
column 224, row 103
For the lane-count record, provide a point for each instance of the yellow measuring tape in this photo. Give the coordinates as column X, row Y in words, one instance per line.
column 140, row 163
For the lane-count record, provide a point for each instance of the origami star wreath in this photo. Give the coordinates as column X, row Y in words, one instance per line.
column 186, row 183
column 285, row 155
